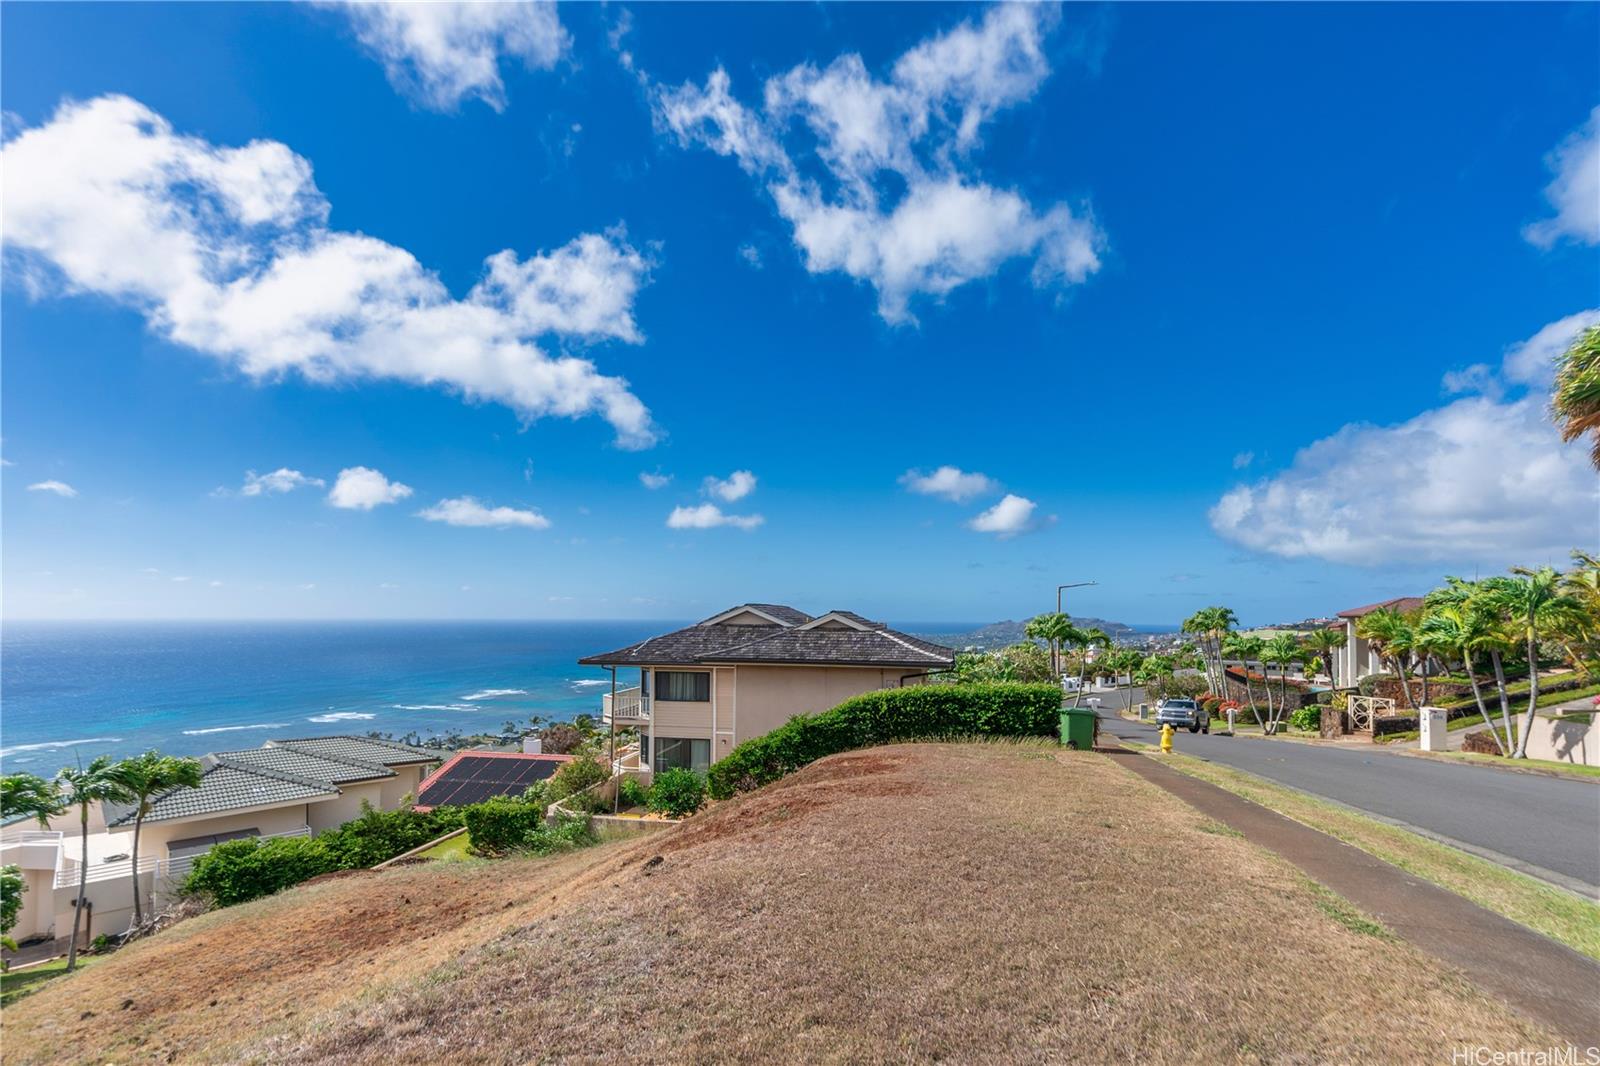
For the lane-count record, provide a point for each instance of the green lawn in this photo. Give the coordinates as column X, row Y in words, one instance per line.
column 1546, row 699
column 13, row 986
column 453, row 850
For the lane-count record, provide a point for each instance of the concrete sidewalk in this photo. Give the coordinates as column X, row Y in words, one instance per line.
column 1545, row 980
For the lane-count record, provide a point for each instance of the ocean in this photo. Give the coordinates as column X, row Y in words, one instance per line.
column 71, row 689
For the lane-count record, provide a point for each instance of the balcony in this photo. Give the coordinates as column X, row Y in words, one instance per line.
column 630, row 707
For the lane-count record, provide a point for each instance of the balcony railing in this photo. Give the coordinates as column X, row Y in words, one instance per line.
column 67, row 872
column 630, row 705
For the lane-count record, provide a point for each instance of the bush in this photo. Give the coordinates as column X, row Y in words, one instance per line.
column 1307, row 717
column 574, row 777
column 632, row 794
column 1369, row 685
column 677, row 793
column 240, row 870
column 921, row 712
column 1480, row 742
column 377, row 835
column 503, row 824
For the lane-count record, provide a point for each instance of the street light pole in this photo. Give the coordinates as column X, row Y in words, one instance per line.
column 1075, row 585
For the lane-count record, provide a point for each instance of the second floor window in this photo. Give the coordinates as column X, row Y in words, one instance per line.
column 688, row 686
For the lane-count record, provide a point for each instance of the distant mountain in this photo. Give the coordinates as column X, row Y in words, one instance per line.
column 1000, row 634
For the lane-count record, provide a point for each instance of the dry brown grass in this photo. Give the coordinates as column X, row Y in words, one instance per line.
column 918, row 902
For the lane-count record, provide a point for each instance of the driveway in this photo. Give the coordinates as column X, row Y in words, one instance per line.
column 1545, row 826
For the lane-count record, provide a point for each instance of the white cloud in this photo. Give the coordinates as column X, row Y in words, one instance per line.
column 308, row 586
column 946, row 226
column 60, row 488
column 736, row 486
column 227, row 251
column 949, row 482
column 182, row 578
column 1477, row 378
column 1013, row 515
column 361, row 488
column 214, row 584
column 654, row 481
column 280, row 480
column 751, row 255
column 1575, row 190
column 469, row 511
column 1478, row 479
column 1243, row 459
column 710, row 516
column 1533, row 361
column 439, row 54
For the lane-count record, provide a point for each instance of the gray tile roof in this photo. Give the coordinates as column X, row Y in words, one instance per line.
column 702, row 643
column 359, row 749
column 785, row 614
column 226, row 787
column 304, row 764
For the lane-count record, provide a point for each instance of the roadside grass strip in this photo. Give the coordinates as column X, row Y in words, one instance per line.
column 1563, row 916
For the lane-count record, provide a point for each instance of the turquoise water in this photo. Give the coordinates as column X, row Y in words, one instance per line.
column 86, row 688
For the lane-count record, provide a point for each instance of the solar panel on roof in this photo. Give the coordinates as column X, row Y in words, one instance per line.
column 475, row 778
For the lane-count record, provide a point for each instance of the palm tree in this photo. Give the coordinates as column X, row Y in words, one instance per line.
column 1209, row 626
column 1238, row 646
column 1575, row 400
column 1086, row 639
column 1532, row 598
column 1282, row 649
column 1578, row 631
column 1053, row 628
column 1460, row 627
column 30, row 796
column 144, row 777
column 1391, row 636
column 1324, row 643
column 82, row 786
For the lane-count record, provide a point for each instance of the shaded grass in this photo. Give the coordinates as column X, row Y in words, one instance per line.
column 18, row 983
column 455, row 849
column 1561, row 915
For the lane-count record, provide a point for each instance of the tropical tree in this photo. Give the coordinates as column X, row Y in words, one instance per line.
column 1125, row 662
column 1209, row 626
column 1086, row 639
column 1532, row 597
column 1464, row 628
column 29, row 796
column 145, row 777
column 1325, row 643
column 1055, row 629
column 1391, row 636
column 1282, row 649
column 81, row 787
column 1246, row 649
column 1575, row 400
column 1578, row 631
column 11, row 889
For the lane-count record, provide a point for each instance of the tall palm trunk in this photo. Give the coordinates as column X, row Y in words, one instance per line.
column 138, row 906
column 1283, row 694
column 1477, row 694
column 1425, row 660
column 1500, row 683
column 1405, row 682
column 1533, row 689
column 83, row 886
column 1083, row 669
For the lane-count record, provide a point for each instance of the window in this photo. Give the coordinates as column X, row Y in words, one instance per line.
column 684, row 686
column 676, row 752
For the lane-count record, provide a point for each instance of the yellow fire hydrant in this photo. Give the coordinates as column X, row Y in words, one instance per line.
column 1166, row 738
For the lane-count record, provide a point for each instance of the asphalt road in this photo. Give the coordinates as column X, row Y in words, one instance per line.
column 1545, row 826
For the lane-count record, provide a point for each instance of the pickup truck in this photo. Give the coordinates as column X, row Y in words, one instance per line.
column 1182, row 713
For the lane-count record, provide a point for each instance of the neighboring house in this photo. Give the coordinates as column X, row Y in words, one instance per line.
column 286, row 788
column 1357, row 659
column 748, row 670
column 474, row 776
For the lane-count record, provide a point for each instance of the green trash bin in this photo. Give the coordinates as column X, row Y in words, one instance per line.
column 1078, row 725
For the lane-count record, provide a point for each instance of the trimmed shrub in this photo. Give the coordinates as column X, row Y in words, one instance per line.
column 632, row 794
column 922, row 712
column 1307, row 717
column 677, row 793
column 503, row 824
column 239, row 870
column 377, row 835
column 574, row 777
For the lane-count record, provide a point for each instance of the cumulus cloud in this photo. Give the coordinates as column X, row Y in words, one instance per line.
column 469, row 511
column 361, row 488
column 1574, row 192
column 1012, row 516
column 60, row 488
column 736, row 486
column 280, row 480
column 439, row 54
column 227, row 251
column 654, row 481
column 1243, row 459
column 1533, row 361
column 1477, row 479
column 950, row 483
column 710, row 516
column 880, row 184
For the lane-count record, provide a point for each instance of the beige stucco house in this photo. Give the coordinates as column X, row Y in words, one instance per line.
column 286, row 788
column 1358, row 659
column 739, row 674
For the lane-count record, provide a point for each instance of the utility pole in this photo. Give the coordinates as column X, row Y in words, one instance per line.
column 1075, row 585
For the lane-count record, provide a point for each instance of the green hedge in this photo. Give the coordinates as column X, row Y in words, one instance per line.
column 921, row 712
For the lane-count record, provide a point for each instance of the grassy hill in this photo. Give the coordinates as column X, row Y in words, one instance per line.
column 965, row 902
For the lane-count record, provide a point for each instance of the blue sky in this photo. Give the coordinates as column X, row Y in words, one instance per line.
column 1251, row 305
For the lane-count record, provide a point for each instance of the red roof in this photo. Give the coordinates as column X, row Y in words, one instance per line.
column 1399, row 603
